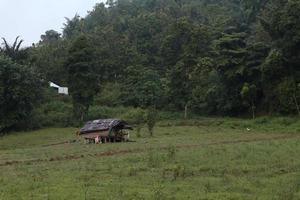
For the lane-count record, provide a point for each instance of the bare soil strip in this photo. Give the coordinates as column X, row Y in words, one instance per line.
column 140, row 150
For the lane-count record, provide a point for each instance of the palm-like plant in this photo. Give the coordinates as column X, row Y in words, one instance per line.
column 12, row 51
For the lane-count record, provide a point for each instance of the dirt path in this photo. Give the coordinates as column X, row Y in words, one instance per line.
column 141, row 150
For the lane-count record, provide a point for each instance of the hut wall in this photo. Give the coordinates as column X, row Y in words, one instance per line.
column 93, row 135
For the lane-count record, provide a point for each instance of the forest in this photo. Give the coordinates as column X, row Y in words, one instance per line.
column 237, row 58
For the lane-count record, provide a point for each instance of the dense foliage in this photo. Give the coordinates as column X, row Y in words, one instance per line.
column 82, row 80
column 20, row 92
column 215, row 57
column 210, row 57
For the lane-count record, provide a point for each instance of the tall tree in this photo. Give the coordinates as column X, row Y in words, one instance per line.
column 73, row 27
column 231, row 49
column 281, row 21
column 48, row 58
column 181, row 48
column 82, row 80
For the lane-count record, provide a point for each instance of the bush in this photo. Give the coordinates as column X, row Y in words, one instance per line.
column 55, row 113
column 21, row 91
column 151, row 119
column 261, row 120
column 285, row 121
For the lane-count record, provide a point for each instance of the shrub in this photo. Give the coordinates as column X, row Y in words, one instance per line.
column 21, row 91
column 158, row 192
column 285, row 121
column 151, row 119
column 55, row 113
column 171, row 152
column 132, row 171
column 262, row 120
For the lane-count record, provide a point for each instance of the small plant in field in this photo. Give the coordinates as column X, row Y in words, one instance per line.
column 174, row 172
column 1, row 189
column 87, row 177
column 287, row 191
column 140, row 121
column 207, row 187
column 249, row 95
column 110, row 167
column 153, row 159
column 120, row 191
column 136, row 117
column 136, row 196
column 132, row 171
column 85, row 188
column 178, row 171
column 171, row 152
column 86, row 185
column 138, row 131
column 158, row 192
column 151, row 119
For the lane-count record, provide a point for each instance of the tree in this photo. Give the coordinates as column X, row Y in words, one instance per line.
column 289, row 95
column 231, row 51
column 49, row 37
column 49, row 60
column 73, row 27
column 21, row 91
column 181, row 48
column 83, row 82
column 180, row 84
column 251, row 9
column 14, row 51
column 138, row 117
column 273, row 70
column 281, row 22
column 207, row 89
column 249, row 94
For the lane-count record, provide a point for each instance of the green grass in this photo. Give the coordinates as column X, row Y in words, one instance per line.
column 197, row 159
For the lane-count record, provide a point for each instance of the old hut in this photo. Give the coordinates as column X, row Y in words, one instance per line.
column 105, row 130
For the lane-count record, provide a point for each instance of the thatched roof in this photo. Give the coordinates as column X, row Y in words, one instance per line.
column 104, row 125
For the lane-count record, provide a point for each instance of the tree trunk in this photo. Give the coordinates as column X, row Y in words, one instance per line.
column 81, row 116
column 185, row 111
column 253, row 110
column 297, row 104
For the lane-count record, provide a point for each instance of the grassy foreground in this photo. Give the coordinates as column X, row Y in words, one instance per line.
column 200, row 159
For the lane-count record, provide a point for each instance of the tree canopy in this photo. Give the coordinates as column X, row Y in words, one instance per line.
column 219, row 57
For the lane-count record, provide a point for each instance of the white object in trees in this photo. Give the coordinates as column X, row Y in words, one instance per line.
column 63, row 90
column 60, row 90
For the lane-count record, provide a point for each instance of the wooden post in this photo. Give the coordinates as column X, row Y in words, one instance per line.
column 296, row 103
column 185, row 111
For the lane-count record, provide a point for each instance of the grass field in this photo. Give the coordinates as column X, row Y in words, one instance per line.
column 196, row 159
